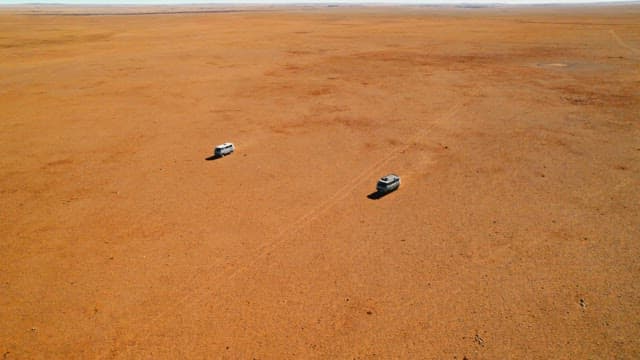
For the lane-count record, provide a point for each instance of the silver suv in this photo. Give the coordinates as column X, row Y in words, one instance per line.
column 388, row 183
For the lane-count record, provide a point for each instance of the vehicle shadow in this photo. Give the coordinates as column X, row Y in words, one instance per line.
column 213, row 157
column 376, row 195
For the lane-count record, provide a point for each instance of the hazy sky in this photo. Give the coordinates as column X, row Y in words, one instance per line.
column 113, row 2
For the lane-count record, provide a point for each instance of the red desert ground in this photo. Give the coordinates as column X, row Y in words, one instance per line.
column 515, row 233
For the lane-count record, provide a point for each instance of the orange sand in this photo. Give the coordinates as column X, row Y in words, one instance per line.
column 515, row 233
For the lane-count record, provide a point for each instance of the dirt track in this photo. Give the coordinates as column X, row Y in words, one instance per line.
column 515, row 233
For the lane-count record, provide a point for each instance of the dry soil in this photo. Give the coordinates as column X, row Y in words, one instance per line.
column 515, row 233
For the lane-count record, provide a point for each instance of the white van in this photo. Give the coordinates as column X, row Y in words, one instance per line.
column 224, row 149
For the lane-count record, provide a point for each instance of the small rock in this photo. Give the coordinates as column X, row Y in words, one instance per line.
column 479, row 340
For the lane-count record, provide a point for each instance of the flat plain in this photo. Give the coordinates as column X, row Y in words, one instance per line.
column 515, row 233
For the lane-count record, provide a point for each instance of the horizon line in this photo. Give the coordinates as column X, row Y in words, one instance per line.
column 487, row 3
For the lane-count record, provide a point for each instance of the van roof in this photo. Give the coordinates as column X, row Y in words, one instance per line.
column 224, row 145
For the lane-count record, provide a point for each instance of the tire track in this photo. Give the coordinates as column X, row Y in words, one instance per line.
column 622, row 43
column 190, row 301
column 338, row 196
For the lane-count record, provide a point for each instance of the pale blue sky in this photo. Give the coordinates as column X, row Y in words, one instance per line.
column 172, row 2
